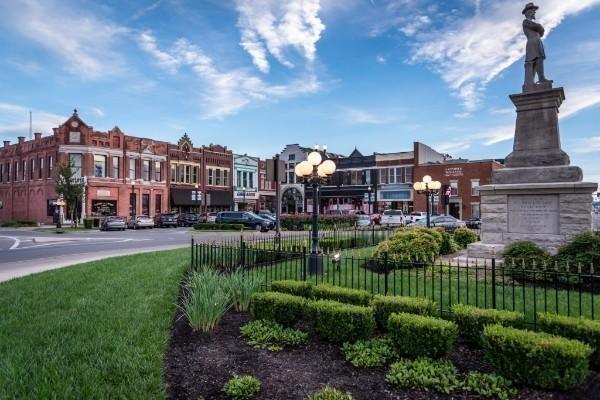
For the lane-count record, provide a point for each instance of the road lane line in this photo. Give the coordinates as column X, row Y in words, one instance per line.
column 15, row 244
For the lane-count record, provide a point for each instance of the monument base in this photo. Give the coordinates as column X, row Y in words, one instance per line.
column 537, row 175
column 548, row 214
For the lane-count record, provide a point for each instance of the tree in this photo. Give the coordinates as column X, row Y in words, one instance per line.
column 71, row 188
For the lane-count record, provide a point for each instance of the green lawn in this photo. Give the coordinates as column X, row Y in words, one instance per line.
column 95, row 330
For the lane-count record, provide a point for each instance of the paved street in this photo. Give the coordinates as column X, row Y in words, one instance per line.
column 24, row 252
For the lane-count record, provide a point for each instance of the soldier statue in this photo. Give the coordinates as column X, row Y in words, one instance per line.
column 534, row 52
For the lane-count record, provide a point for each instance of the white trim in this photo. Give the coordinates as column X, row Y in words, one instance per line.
column 145, row 156
column 77, row 149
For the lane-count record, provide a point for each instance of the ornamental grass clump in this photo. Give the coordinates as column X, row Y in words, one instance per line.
column 471, row 320
column 263, row 334
column 386, row 305
column 420, row 336
column 330, row 393
column 242, row 387
column 206, row 299
column 535, row 358
column 424, row 374
column 369, row 353
column 241, row 287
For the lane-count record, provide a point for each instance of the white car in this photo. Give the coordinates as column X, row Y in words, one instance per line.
column 392, row 217
column 415, row 216
column 211, row 217
column 363, row 220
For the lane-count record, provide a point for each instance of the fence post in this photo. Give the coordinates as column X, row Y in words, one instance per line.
column 373, row 234
column 193, row 265
column 493, row 281
column 385, row 271
column 243, row 254
column 355, row 241
column 304, row 263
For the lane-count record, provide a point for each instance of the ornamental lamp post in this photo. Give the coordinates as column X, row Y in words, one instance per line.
column 197, row 198
column 369, row 191
column 428, row 187
column 314, row 171
column 134, row 204
column 244, row 198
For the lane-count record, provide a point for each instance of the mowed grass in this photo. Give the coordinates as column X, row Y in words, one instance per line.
column 447, row 285
column 92, row 331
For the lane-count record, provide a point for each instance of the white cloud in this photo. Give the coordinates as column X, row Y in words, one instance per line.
column 587, row 145
column 97, row 111
column 455, row 146
column 578, row 99
column 273, row 26
column 470, row 53
column 82, row 42
column 380, row 59
column 14, row 121
column 415, row 25
column 145, row 10
column 357, row 116
column 225, row 92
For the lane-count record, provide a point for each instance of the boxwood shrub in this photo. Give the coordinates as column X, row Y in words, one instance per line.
column 536, row 358
column 384, row 306
column 297, row 288
column 417, row 335
column 411, row 244
column 582, row 329
column 282, row 308
column 471, row 320
column 242, row 387
column 203, row 226
column 583, row 250
column 339, row 322
column 342, row 294
column 464, row 236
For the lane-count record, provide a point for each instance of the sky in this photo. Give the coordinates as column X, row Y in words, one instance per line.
column 256, row 75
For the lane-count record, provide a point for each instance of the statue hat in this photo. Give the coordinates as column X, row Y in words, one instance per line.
column 529, row 6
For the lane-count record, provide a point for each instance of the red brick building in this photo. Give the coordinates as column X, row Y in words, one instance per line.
column 217, row 189
column 266, row 188
column 124, row 175
column 185, row 176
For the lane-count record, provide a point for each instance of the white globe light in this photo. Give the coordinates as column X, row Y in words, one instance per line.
column 320, row 171
column 427, row 179
column 303, row 169
column 314, row 158
column 437, row 185
column 298, row 169
column 328, row 167
column 417, row 186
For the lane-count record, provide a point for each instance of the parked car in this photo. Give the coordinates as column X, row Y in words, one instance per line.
column 246, row 218
column 415, row 216
column 165, row 220
column 187, row 219
column 448, row 222
column 473, row 223
column 363, row 220
column 211, row 217
column 267, row 215
column 113, row 223
column 140, row 222
column 392, row 217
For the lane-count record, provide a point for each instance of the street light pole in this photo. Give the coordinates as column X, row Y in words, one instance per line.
column 196, row 197
column 427, row 187
column 244, row 198
column 369, row 190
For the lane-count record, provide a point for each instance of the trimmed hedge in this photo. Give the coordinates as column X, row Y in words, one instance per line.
column 339, row 322
column 282, row 308
column 297, row 288
column 88, row 223
column 535, row 358
column 471, row 320
column 218, row 227
column 340, row 243
column 386, row 305
column 464, row 236
column 417, row 335
column 301, row 222
column 582, row 329
column 583, row 250
column 415, row 244
column 343, row 295
column 17, row 224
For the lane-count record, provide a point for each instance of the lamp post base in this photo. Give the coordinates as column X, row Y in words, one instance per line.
column 315, row 263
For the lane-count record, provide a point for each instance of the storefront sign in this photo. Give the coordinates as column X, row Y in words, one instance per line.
column 104, row 207
column 453, row 171
column 103, row 193
column 249, row 195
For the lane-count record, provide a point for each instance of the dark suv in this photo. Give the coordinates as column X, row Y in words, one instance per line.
column 165, row 220
column 248, row 219
column 187, row 219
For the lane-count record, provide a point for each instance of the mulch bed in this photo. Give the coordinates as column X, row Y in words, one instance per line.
column 199, row 364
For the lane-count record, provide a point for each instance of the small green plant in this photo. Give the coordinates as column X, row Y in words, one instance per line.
column 329, row 393
column 489, row 386
column 424, row 374
column 341, row 294
column 535, row 358
column 471, row 320
column 218, row 227
column 282, row 308
column 583, row 251
column 447, row 245
column 206, row 299
column 297, row 288
column 411, row 245
column 464, row 236
column 420, row 336
column 526, row 255
column 386, row 305
column 241, row 287
column 339, row 322
column 242, row 387
column 369, row 353
column 579, row 328
column 263, row 334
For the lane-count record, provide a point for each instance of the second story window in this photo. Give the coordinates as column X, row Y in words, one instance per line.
column 210, row 177
column 40, row 167
column 99, row 166
column 24, row 170
column 32, row 169
column 50, row 166
column 475, row 187
column 383, row 176
column 75, row 160
column 218, row 177
column 225, row 177
column 116, row 166
column 16, row 171
column 132, row 168
column 146, row 170
column 453, row 188
column 157, row 171
column 173, row 173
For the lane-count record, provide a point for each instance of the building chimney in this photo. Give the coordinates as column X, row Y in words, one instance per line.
column 6, row 143
column 38, row 135
column 21, row 139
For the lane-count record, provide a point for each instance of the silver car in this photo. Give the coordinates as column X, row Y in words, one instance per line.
column 140, row 222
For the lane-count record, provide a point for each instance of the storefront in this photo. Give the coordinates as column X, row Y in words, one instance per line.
column 185, row 200
column 218, row 200
column 396, row 197
column 245, row 200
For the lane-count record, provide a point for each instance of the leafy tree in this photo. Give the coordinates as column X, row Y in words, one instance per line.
column 67, row 185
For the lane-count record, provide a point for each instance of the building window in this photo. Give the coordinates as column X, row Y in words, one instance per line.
column 132, row 168
column 99, row 166
column 157, row 171
column 158, row 204
column 238, row 183
column 291, row 157
column 290, row 177
column 383, row 176
column 16, row 172
column 24, row 170
column 173, row 173
column 475, row 187
column 1, row 172
column 75, row 160
column 50, row 166
column 145, row 204
column 188, row 174
column 40, row 167
column 32, row 169
column 146, row 170
column 116, row 161
column 210, row 177
column 132, row 204
column 453, row 188
column 7, row 172
column 104, row 208
column 180, row 173
column 409, row 175
column 217, row 177
column 225, row 177
column 475, row 210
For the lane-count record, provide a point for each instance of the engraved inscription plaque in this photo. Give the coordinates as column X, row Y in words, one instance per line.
column 533, row 214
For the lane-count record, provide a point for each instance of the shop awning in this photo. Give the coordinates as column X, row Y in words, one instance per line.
column 219, row 198
column 185, row 197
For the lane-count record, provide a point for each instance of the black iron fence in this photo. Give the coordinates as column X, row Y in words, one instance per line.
column 493, row 284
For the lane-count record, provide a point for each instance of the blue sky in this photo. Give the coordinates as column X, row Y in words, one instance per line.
column 257, row 74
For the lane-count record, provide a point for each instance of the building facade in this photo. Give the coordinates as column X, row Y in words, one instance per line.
column 245, row 182
column 266, row 189
column 217, row 187
column 291, row 189
column 394, row 181
column 185, row 176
